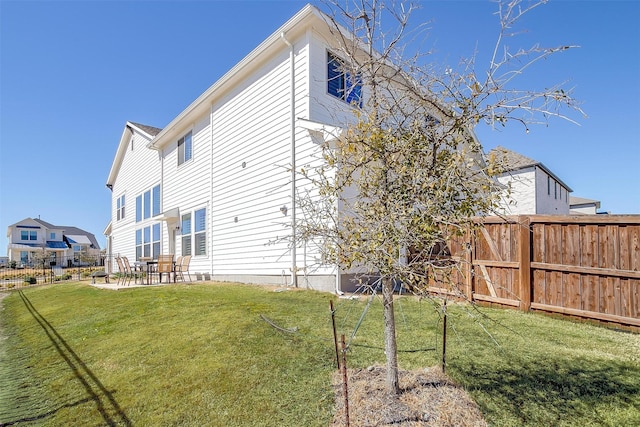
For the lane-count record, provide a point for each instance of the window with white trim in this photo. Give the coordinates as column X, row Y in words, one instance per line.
column 148, row 204
column 342, row 84
column 28, row 235
column 194, row 233
column 185, row 148
column 148, row 241
column 120, row 208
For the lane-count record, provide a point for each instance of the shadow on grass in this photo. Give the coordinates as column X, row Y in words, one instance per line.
column 553, row 392
column 107, row 406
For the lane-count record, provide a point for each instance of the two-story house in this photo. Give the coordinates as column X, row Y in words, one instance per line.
column 530, row 188
column 30, row 239
column 218, row 182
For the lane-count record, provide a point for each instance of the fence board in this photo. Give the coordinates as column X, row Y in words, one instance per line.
column 571, row 247
column 589, row 245
column 553, row 246
column 572, row 291
column 538, row 242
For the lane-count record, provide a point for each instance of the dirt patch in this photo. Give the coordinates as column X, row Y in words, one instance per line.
column 427, row 398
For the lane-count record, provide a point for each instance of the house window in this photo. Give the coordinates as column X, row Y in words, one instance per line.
column 120, row 208
column 156, row 201
column 194, row 233
column 52, row 236
column 148, row 204
column 200, row 232
column 138, row 208
column 548, row 185
column 28, row 235
column 146, row 207
column 185, row 149
column 148, row 241
column 186, row 234
column 341, row 84
column 155, row 240
column 555, row 190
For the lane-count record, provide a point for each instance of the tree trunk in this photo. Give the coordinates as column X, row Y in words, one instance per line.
column 390, row 345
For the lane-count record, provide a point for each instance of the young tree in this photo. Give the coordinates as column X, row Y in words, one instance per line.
column 408, row 175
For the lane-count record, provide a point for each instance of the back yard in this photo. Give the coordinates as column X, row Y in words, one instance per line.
column 194, row 355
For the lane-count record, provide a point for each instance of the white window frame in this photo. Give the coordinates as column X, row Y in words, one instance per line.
column 185, row 148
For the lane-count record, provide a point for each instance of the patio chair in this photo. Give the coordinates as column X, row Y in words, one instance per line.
column 183, row 267
column 165, row 265
column 130, row 272
column 122, row 276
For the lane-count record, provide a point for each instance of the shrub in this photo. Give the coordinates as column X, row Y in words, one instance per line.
column 31, row 280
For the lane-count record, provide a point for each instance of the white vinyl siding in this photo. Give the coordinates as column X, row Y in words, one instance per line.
column 238, row 175
column 133, row 179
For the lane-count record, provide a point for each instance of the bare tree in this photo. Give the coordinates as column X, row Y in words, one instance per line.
column 408, row 174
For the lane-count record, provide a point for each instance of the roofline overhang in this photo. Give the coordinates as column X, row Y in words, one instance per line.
column 295, row 26
column 541, row 166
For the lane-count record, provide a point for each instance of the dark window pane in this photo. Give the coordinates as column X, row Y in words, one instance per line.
column 186, row 245
column 201, row 244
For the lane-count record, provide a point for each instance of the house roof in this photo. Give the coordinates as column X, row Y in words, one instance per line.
column 308, row 16
column 581, row 201
column 149, row 130
column 513, row 161
column 80, row 234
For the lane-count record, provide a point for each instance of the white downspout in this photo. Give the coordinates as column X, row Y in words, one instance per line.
column 294, row 268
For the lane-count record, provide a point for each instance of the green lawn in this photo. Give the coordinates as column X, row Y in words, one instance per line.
column 194, row 355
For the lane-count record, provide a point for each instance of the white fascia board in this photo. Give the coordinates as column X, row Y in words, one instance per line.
column 297, row 24
column 122, row 148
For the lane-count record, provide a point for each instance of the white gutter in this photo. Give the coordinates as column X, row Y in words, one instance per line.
column 292, row 82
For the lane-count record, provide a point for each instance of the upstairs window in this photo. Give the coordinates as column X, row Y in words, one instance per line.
column 342, row 84
column 148, row 204
column 120, row 208
column 28, row 235
column 185, row 149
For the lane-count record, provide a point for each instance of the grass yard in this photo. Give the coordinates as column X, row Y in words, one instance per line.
column 194, row 355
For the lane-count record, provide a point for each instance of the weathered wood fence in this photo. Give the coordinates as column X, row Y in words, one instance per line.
column 585, row 266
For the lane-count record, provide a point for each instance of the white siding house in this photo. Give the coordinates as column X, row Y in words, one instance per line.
column 217, row 181
column 530, row 187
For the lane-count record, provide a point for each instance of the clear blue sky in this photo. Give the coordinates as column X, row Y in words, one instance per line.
column 72, row 73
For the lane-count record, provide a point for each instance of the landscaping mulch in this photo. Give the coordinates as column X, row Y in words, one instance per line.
column 428, row 398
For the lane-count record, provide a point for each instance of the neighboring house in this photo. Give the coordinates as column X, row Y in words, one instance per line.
column 582, row 206
column 218, row 182
column 29, row 238
column 530, row 187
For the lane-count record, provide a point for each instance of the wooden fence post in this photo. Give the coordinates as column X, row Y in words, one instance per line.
column 524, row 268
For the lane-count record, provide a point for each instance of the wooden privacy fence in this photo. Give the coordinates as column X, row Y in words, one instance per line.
column 586, row 266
